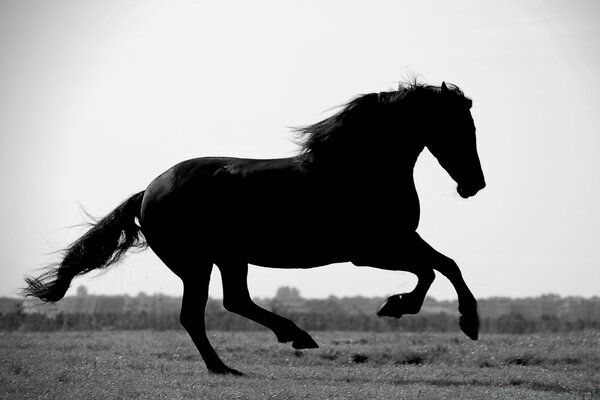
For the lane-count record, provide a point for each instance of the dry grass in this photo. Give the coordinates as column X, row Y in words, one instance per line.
column 157, row 365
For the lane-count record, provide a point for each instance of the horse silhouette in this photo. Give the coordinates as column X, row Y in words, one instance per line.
column 348, row 196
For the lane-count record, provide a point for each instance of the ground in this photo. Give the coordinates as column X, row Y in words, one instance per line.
column 165, row 365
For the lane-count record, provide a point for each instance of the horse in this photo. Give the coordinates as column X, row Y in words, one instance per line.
column 348, row 195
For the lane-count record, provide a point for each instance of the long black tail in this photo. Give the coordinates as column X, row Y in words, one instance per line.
column 104, row 244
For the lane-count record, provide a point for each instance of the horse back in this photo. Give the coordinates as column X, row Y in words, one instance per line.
column 273, row 212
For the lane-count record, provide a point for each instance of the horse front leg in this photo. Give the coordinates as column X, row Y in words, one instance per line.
column 467, row 304
column 411, row 302
column 401, row 258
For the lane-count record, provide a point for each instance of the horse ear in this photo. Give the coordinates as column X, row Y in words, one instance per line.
column 445, row 88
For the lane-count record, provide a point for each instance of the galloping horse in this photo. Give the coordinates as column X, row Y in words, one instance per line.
column 348, row 196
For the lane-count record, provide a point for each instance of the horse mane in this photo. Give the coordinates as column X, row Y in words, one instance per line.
column 336, row 133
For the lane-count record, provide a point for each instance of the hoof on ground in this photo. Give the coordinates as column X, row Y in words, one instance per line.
column 225, row 370
column 469, row 324
column 304, row 341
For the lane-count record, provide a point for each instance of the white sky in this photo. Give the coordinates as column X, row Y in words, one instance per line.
column 98, row 98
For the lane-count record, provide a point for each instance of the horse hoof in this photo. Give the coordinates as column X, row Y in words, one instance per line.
column 469, row 324
column 304, row 341
column 390, row 306
column 225, row 370
column 397, row 306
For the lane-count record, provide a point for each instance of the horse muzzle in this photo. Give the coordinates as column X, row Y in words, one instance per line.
column 465, row 191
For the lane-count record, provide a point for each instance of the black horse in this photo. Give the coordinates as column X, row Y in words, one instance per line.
column 348, row 196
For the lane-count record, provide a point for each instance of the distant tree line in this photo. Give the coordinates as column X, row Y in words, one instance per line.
column 547, row 313
column 219, row 320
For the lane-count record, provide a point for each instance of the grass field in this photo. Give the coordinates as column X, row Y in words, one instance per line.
column 157, row 365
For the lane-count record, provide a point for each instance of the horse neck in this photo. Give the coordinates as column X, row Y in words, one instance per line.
column 363, row 168
column 369, row 159
column 397, row 158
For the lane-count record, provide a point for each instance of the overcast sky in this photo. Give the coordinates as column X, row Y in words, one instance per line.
column 99, row 97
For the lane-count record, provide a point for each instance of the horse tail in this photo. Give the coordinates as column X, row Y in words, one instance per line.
column 104, row 244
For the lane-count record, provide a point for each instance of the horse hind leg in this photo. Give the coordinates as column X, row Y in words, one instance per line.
column 195, row 296
column 236, row 299
column 193, row 304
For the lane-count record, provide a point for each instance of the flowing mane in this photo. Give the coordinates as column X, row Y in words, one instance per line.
column 334, row 134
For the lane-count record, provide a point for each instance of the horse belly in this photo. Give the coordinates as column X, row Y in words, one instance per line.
column 294, row 255
column 290, row 244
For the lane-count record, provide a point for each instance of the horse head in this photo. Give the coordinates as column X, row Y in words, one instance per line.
column 452, row 141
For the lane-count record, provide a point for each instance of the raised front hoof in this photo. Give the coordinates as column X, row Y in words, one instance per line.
column 469, row 324
column 225, row 370
column 304, row 341
column 397, row 306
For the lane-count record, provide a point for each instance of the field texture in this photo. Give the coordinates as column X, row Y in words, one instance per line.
column 165, row 365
